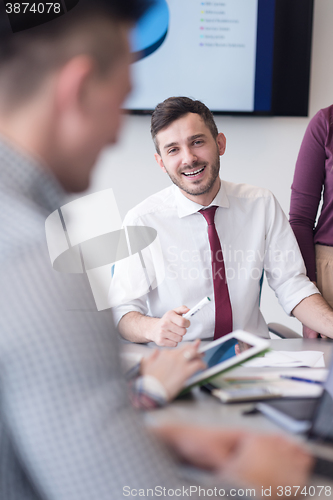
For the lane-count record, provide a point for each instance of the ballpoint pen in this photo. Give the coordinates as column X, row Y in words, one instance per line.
column 300, row 379
column 197, row 308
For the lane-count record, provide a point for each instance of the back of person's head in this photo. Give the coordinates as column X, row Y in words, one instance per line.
column 91, row 28
column 174, row 108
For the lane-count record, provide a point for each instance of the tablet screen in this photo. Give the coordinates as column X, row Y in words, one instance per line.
column 224, row 351
column 227, row 352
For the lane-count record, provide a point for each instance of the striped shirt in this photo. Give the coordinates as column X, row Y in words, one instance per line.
column 67, row 428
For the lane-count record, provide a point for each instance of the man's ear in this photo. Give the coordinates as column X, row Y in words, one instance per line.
column 160, row 161
column 72, row 83
column 221, row 143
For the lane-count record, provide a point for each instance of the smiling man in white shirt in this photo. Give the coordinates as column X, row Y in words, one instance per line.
column 254, row 235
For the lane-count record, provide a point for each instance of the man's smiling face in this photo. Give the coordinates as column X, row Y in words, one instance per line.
column 190, row 155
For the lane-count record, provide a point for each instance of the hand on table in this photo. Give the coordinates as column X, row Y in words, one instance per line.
column 268, row 461
column 308, row 333
column 169, row 330
column 260, row 461
column 208, row 448
column 311, row 334
column 172, row 368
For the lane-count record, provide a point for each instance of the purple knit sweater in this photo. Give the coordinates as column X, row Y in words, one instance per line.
column 314, row 174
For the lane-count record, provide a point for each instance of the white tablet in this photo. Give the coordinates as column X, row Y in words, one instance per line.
column 226, row 353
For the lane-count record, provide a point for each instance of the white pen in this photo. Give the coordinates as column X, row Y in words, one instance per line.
column 197, row 308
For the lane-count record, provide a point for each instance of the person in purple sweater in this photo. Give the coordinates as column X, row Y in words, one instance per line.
column 313, row 179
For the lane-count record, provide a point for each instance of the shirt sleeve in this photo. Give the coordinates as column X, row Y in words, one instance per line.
column 283, row 263
column 129, row 284
column 307, row 186
column 147, row 393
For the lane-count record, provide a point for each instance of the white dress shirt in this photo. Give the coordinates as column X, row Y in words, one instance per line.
column 255, row 236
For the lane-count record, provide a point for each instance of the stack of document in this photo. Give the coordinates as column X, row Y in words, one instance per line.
column 270, row 376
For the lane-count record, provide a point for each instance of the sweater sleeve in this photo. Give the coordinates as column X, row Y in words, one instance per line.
column 307, row 186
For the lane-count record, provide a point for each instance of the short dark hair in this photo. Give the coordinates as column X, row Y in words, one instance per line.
column 92, row 28
column 173, row 108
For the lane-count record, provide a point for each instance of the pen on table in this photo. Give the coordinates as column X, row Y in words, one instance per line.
column 197, row 308
column 300, row 379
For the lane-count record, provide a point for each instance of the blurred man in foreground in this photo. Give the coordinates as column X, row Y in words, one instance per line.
column 67, row 430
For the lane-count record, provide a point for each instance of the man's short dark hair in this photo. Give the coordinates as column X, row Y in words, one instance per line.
column 91, row 28
column 173, row 108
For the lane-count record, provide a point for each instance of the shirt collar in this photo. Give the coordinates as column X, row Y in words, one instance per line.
column 187, row 207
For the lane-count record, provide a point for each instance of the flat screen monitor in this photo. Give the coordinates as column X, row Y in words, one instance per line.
column 237, row 56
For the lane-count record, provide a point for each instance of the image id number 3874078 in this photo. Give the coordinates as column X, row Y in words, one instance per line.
column 35, row 8
column 292, row 491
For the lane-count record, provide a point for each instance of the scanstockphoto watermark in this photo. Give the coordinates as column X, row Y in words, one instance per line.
column 31, row 13
column 231, row 255
column 239, row 264
column 87, row 236
column 232, row 273
column 187, row 491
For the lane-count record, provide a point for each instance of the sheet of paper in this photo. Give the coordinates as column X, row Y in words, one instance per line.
column 289, row 359
column 316, row 374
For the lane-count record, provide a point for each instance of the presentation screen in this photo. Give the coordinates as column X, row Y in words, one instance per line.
column 224, row 53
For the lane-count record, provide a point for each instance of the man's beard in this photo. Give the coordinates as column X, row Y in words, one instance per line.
column 206, row 188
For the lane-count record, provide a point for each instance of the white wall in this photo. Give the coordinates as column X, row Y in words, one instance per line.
column 260, row 151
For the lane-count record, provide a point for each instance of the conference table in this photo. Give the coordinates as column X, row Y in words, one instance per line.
column 201, row 408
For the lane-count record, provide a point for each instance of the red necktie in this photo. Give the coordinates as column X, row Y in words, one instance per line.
column 223, row 312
